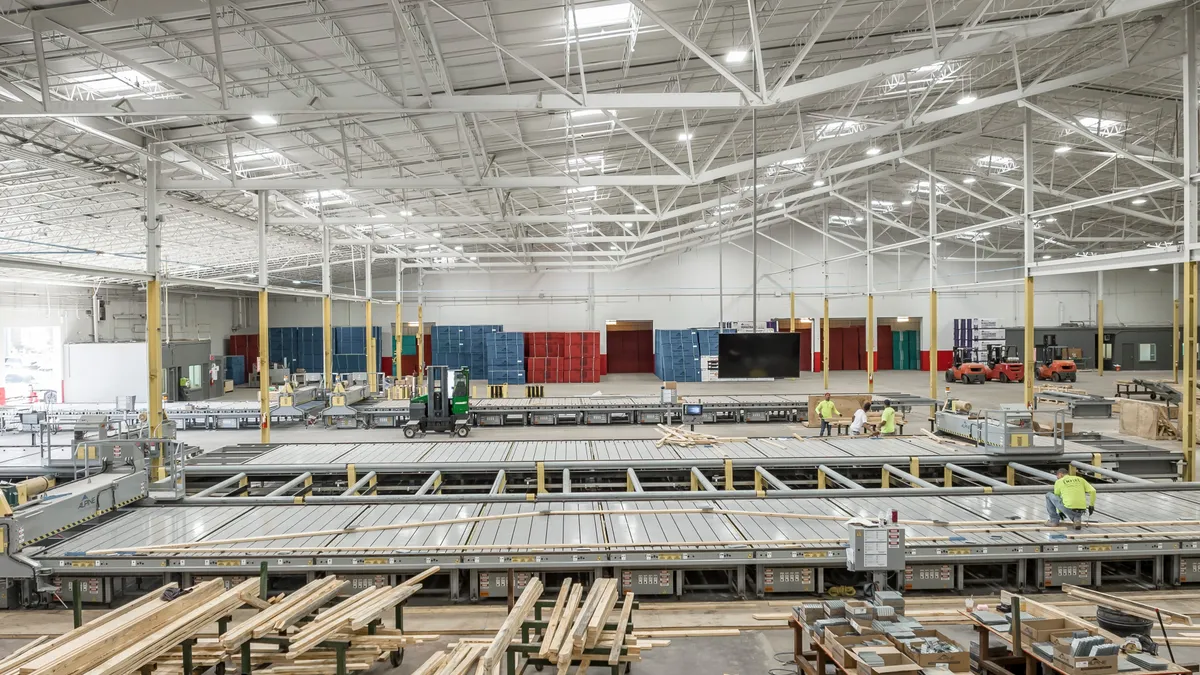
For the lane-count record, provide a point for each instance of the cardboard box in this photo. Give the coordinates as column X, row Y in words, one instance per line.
column 1081, row 665
column 670, row 384
column 1045, row 630
column 959, row 661
column 860, row 609
column 894, row 663
column 833, row 632
column 841, row 647
column 228, row 386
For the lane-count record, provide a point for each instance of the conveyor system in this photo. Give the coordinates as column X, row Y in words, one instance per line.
column 1000, row 432
column 667, row 546
column 341, row 412
column 1081, row 405
column 660, row 537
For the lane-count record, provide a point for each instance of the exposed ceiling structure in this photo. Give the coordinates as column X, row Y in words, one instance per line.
column 578, row 135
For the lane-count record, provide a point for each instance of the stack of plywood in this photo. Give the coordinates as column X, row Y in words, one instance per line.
column 1147, row 419
column 683, row 437
column 845, row 404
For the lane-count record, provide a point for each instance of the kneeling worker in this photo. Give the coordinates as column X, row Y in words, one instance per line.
column 1071, row 497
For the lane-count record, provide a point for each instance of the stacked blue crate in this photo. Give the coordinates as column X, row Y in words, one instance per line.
column 505, row 357
column 235, row 369
column 676, row 355
column 463, row 346
column 351, row 342
column 708, row 341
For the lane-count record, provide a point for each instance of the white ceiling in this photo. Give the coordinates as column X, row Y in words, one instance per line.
column 485, row 134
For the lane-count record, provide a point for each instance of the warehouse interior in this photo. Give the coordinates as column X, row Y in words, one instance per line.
column 716, row 336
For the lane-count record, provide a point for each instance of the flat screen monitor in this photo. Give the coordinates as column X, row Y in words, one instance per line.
column 751, row 355
column 693, row 409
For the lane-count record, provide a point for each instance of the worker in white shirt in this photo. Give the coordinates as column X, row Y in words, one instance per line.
column 859, row 423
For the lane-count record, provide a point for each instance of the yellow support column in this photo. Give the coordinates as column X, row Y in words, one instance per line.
column 371, row 346
column 1175, row 343
column 1029, row 360
column 870, row 344
column 885, row 480
column 154, row 354
column 1100, row 323
column 947, row 477
column 327, row 328
column 1187, row 407
column 825, row 345
column 728, row 474
column 264, row 367
column 933, row 345
column 420, row 347
column 820, row 479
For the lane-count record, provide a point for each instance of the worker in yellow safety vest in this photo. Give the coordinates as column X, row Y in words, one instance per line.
column 826, row 411
column 1072, row 496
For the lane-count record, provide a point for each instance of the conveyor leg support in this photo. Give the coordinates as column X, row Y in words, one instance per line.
column 77, row 602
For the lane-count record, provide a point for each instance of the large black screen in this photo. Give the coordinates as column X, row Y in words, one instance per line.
column 758, row 355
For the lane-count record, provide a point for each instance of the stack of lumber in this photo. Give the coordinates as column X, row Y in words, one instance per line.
column 124, row 641
column 1058, row 387
column 578, row 624
column 683, row 437
column 349, row 619
column 1147, row 419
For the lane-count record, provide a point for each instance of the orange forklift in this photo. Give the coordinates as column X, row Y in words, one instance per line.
column 1004, row 365
column 966, row 368
column 1053, row 364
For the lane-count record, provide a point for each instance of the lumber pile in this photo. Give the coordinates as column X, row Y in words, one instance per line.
column 1058, row 387
column 125, row 640
column 1147, row 419
column 682, row 437
column 577, row 632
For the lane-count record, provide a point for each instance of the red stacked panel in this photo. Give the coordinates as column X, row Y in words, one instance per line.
column 244, row 345
column 562, row 357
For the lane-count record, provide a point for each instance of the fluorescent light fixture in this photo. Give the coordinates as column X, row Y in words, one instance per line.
column 250, row 275
column 639, row 207
column 858, row 219
column 902, row 319
column 997, row 163
column 1138, row 201
column 922, row 187
column 296, row 281
column 628, row 226
column 969, row 180
column 778, row 205
column 379, row 215
column 437, row 235
column 423, row 247
column 736, row 55
column 1050, row 219
column 967, row 99
column 1062, row 149
column 838, row 128
column 405, row 213
column 588, row 112
column 872, row 151
column 579, row 226
column 906, row 202
column 614, row 247
column 325, row 197
column 458, row 248
column 1045, row 256
column 581, row 189
column 264, row 119
column 1152, row 269
column 598, row 17
column 818, row 182
column 473, row 258
column 933, row 67
column 685, row 136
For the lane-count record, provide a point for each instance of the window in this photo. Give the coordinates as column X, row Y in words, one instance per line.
column 1147, row 352
column 195, row 375
column 32, row 362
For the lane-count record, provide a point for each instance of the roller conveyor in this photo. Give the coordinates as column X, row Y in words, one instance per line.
column 641, row 544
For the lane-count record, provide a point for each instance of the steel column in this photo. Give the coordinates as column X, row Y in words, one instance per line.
column 420, row 347
column 1175, row 323
column 1191, row 202
column 264, row 340
column 1100, row 323
column 825, row 343
column 153, row 308
column 372, row 348
column 1027, row 221
column 870, row 291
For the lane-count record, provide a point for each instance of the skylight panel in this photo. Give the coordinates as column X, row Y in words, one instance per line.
column 604, row 16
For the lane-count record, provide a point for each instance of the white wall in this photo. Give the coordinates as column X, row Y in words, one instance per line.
column 189, row 316
column 100, row 372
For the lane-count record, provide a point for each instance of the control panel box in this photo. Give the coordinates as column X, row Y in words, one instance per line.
column 648, row 582
column 495, row 584
column 875, row 548
column 929, row 577
column 789, row 580
column 1189, row 570
column 1055, row 573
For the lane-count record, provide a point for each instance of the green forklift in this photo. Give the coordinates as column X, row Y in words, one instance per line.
column 445, row 407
